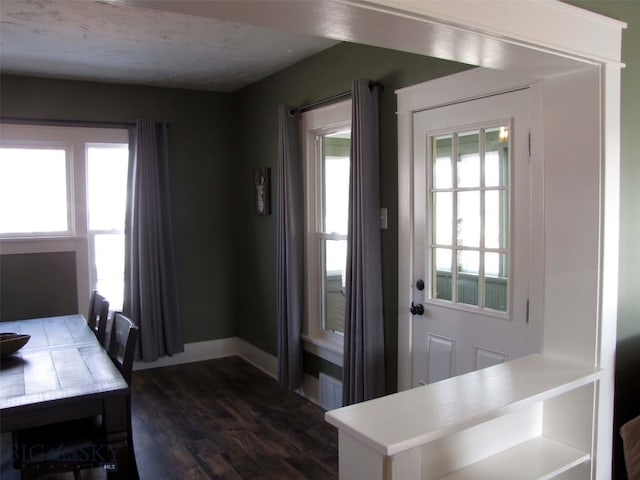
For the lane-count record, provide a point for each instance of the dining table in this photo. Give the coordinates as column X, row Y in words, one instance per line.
column 63, row 373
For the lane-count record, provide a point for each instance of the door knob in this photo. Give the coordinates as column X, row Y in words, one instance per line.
column 416, row 309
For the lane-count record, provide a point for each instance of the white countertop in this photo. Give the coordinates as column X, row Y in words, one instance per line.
column 405, row 420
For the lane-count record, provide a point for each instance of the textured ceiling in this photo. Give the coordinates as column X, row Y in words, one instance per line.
column 88, row 40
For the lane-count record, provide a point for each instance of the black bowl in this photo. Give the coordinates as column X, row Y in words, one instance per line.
column 12, row 342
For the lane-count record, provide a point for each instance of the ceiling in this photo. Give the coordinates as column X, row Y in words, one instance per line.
column 111, row 42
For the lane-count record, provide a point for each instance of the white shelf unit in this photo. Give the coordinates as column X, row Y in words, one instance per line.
column 538, row 458
column 506, row 421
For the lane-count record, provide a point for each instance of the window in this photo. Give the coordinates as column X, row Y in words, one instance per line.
column 107, row 167
column 33, row 181
column 327, row 145
column 469, row 247
column 64, row 189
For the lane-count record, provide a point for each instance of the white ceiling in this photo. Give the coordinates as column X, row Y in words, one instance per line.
column 90, row 40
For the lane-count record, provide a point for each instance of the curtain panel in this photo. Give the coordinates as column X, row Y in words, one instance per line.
column 290, row 249
column 151, row 290
column 364, row 360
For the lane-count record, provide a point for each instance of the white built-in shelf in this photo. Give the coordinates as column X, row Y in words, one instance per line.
column 537, row 459
column 406, row 420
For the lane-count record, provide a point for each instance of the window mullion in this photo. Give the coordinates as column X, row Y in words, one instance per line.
column 481, row 285
column 78, row 189
column 454, row 222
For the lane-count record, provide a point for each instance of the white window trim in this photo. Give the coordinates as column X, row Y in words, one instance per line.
column 320, row 121
column 76, row 239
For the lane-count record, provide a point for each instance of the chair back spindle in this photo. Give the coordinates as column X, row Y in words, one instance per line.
column 122, row 345
column 98, row 314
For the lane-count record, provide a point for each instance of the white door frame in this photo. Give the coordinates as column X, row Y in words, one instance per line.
column 571, row 201
column 475, row 83
column 415, row 102
column 543, row 39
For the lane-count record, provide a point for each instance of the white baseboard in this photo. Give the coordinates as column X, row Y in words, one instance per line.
column 223, row 347
column 257, row 357
column 195, row 352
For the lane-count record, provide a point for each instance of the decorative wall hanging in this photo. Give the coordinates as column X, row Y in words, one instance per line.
column 262, row 182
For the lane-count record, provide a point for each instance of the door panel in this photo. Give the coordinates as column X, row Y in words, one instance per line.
column 439, row 358
column 485, row 358
column 471, row 245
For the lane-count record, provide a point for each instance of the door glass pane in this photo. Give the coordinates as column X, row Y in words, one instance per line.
column 468, row 269
column 495, row 281
column 443, row 218
column 442, row 171
column 441, row 281
column 496, row 219
column 335, row 185
column 496, row 159
column 468, row 167
column 468, row 219
column 333, row 288
column 33, row 191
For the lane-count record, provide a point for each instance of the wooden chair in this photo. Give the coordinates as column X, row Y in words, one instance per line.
column 630, row 433
column 82, row 435
column 98, row 314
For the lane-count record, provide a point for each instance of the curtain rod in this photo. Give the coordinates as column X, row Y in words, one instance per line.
column 334, row 98
column 56, row 122
column 324, row 101
column 65, row 123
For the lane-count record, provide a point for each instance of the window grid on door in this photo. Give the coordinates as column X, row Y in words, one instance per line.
column 469, row 204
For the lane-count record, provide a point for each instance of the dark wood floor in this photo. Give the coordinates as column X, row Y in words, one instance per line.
column 221, row 419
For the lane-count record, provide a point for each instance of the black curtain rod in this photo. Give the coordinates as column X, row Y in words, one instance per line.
column 54, row 122
column 334, row 98
column 324, row 101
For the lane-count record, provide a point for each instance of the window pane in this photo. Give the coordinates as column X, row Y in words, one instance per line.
column 442, row 171
column 468, row 269
column 468, row 166
column 496, row 160
column 443, row 218
column 495, row 281
column 33, row 190
column 441, row 281
column 335, row 189
column 496, row 219
column 107, row 186
column 468, row 219
column 109, row 260
column 333, row 289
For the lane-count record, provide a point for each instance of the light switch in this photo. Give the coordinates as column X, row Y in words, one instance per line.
column 383, row 218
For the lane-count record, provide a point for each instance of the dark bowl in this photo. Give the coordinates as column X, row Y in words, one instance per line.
column 12, row 342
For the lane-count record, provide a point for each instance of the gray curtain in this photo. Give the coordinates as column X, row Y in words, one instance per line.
column 151, row 290
column 290, row 249
column 364, row 362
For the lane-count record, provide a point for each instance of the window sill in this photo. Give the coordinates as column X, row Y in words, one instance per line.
column 327, row 350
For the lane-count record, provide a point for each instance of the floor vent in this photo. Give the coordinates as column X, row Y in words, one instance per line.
column 330, row 392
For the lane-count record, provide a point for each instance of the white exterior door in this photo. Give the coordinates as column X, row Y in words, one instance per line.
column 472, row 236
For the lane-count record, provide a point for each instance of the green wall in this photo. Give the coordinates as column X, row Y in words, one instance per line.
column 38, row 285
column 325, row 74
column 202, row 181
